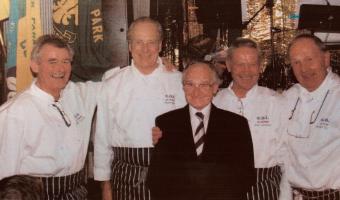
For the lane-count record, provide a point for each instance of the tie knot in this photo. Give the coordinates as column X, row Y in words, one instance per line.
column 200, row 115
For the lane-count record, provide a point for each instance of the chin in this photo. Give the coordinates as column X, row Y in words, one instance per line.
column 61, row 85
column 199, row 106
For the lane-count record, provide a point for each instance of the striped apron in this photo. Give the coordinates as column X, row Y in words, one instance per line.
column 71, row 187
column 267, row 184
column 129, row 172
column 329, row 194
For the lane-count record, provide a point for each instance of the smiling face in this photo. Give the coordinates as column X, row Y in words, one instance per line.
column 245, row 69
column 309, row 63
column 53, row 69
column 145, row 46
column 199, row 85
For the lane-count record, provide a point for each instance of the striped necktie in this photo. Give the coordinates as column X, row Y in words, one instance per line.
column 199, row 134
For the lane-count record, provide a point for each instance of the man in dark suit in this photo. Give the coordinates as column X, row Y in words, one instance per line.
column 201, row 156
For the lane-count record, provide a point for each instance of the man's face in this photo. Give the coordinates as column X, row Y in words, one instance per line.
column 244, row 68
column 198, row 86
column 145, row 45
column 309, row 63
column 53, row 69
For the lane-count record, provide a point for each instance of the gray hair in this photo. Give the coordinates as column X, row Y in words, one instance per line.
column 142, row 20
column 194, row 64
column 51, row 40
column 243, row 42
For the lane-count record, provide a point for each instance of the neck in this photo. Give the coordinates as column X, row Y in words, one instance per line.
column 56, row 95
column 201, row 108
column 240, row 93
column 54, row 92
column 146, row 69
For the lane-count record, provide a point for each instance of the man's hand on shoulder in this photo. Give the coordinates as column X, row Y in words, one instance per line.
column 168, row 65
column 156, row 135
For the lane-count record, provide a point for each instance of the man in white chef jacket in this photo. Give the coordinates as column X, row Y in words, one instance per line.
column 310, row 123
column 127, row 107
column 45, row 129
column 260, row 106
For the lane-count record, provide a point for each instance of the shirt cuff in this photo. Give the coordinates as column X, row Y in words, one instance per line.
column 102, row 175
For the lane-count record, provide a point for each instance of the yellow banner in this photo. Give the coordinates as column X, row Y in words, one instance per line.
column 29, row 29
column 65, row 19
column 4, row 9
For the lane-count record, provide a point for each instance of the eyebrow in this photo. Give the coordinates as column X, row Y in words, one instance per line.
column 55, row 59
column 52, row 59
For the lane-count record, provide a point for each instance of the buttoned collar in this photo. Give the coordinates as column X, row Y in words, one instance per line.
column 249, row 95
column 156, row 71
column 205, row 111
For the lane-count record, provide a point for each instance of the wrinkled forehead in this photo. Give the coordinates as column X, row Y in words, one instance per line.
column 246, row 52
column 198, row 73
column 51, row 50
column 145, row 29
column 306, row 44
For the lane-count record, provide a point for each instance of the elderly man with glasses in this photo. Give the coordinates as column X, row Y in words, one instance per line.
column 205, row 152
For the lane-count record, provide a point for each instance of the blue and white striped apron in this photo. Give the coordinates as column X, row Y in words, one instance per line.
column 71, row 187
column 129, row 172
column 302, row 194
column 267, row 184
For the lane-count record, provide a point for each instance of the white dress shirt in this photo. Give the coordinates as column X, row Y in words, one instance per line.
column 312, row 135
column 260, row 107
column 195, row 121
column 34, row 138
column 128, row 104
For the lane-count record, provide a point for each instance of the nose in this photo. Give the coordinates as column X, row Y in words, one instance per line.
column 304, row 66
column 63, row 66
column 145, row 47
column 196, row 90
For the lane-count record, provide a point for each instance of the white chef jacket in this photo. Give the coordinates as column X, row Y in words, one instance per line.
column 34, row 138
column 128, row 104
column 311, row 156
column 260, row 107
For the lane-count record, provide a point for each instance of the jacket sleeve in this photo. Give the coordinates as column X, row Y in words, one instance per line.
column 103, row 154
column 155, row 180
column 12, row 133
column 246, row 161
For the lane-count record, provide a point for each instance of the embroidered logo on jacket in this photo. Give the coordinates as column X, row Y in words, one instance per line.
column 323, row 123
column 78, row 117
column 262, row 121
column 169, row 99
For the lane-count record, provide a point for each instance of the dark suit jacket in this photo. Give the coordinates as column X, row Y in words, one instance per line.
column 225, row 169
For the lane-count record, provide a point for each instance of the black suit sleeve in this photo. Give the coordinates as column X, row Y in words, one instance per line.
column 161, row 178
column 245, row 161
column 169, row 167
column 155, row 181
column 229, row 144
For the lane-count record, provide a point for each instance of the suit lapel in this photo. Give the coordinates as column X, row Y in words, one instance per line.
column 210, row 129
column 211, row 121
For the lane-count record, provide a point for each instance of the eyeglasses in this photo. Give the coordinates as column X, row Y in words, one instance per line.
column 311, row 121
column 317, row 115
column 202, row 86
column 296, row 126
column 63, row 115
